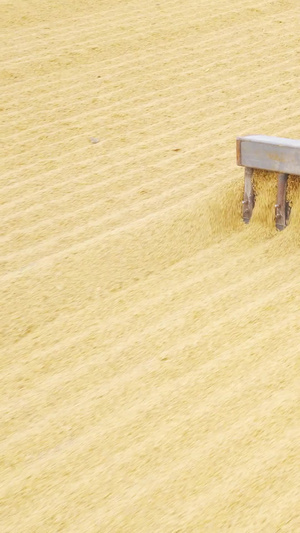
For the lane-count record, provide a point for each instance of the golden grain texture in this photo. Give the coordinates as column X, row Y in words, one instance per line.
column 149, row 340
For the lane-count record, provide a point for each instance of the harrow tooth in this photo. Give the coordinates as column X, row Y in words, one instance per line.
column 281, row 206
column 248, row 202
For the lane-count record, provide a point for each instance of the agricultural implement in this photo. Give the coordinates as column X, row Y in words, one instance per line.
column 273, row 154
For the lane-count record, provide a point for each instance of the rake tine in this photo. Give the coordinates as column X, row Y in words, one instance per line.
column 248, row 202
column 281, row 208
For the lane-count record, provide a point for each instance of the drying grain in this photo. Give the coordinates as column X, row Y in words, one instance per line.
column 149, row 339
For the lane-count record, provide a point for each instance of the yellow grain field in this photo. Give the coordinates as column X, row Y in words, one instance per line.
column 149, row 340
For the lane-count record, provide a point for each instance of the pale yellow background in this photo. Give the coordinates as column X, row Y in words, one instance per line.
column 149, row 340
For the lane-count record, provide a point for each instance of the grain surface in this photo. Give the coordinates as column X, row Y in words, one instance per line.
column 149, row 340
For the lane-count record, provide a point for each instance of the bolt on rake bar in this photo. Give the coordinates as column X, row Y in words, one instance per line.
column 275, row 154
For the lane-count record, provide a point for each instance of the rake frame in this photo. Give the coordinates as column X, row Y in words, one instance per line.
column 275, row 154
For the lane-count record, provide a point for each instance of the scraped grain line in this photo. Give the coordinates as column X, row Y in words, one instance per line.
column 142, row 305
column 278, row 521
column 81, row 229
column 199, row 410
column 86, row 19
column 146, row 103
column 12, row 205
column 272, row 458
column 165, row 392
column 178, row 15
column 256, row 417
column 146, row 56
column 75, row 232
column 165, row 272
column 47, row 95
column 88, row 208
column 104, row 28
column 154, row 137
column 239, row 476
column 175, row 320
column 89, row 240
column 114, row 388
column 146, row 484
